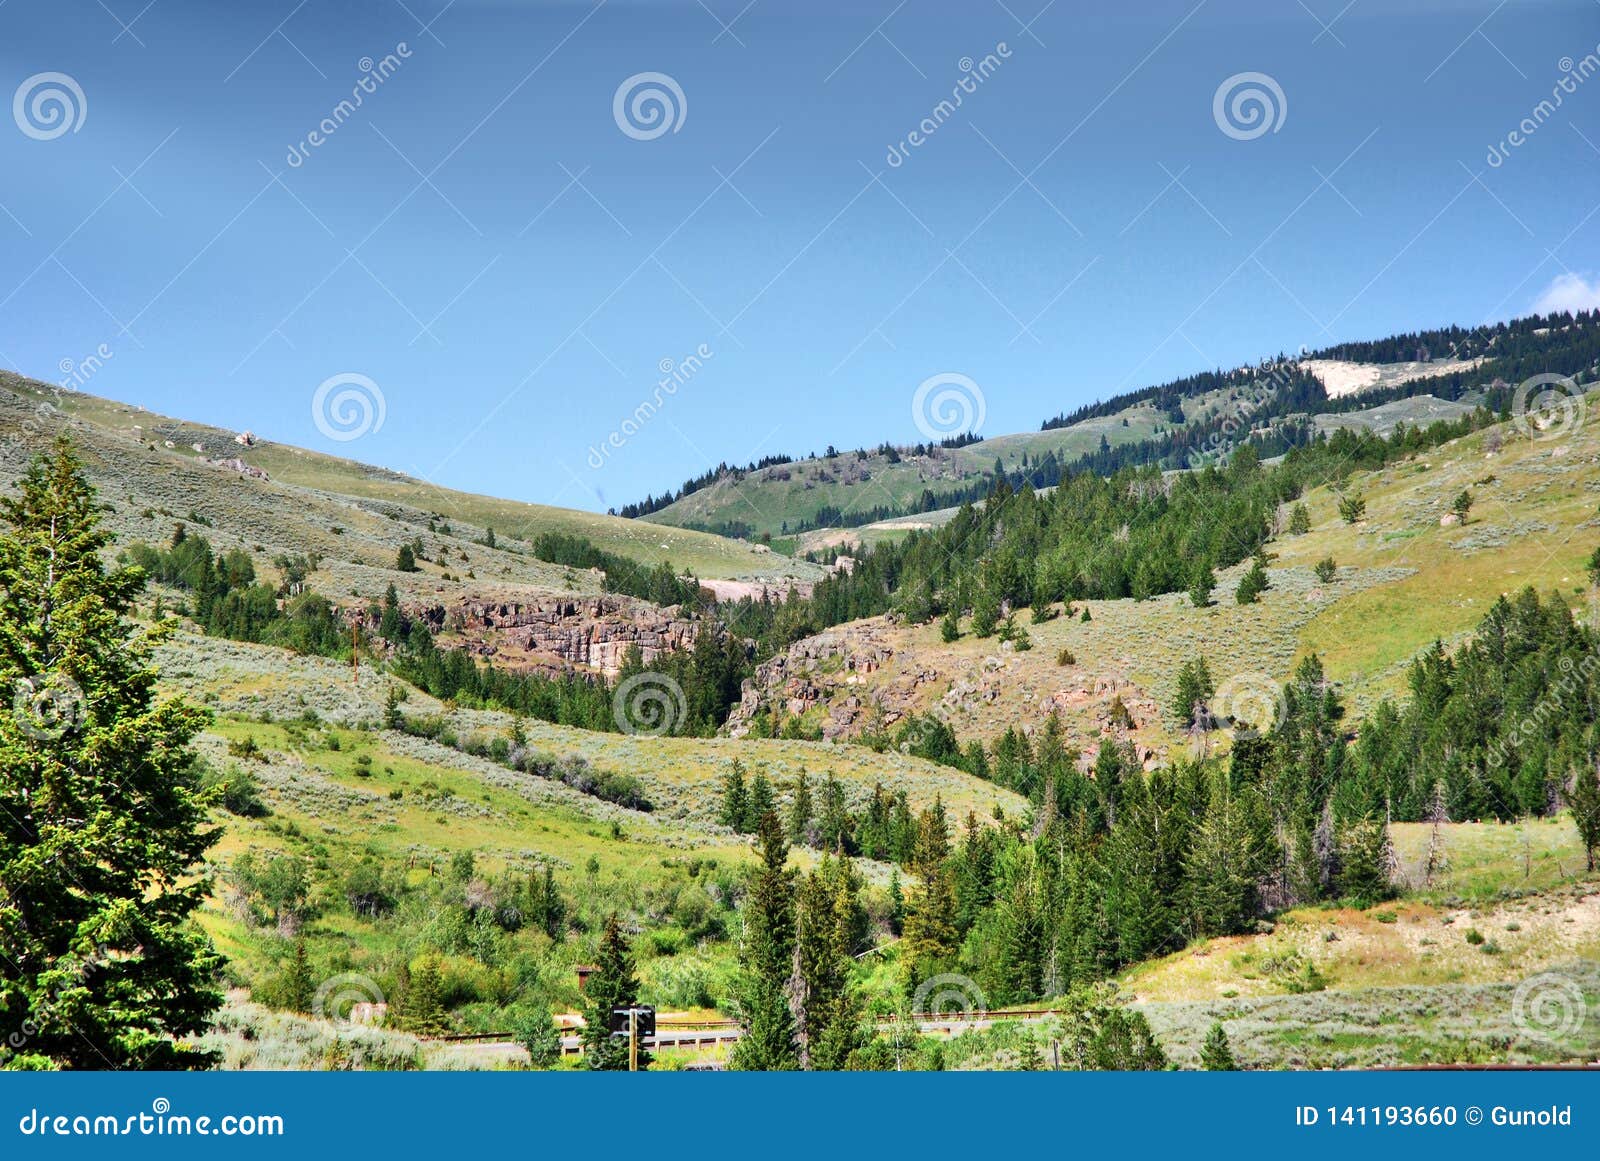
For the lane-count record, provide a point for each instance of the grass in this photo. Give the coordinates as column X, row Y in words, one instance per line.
column 311, row 494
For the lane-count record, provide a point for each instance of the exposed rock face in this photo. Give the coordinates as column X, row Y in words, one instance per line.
column 593, row 632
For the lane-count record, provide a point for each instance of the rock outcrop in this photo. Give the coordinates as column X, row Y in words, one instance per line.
column 589, row 632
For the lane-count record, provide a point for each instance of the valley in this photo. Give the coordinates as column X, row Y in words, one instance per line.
column 450, row 770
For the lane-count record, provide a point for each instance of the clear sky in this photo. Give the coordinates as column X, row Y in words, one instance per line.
column 490, row 246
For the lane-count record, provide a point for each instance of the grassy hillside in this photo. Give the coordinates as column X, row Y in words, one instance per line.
column 311, row 493
column 1403, row 580
column 781, row 499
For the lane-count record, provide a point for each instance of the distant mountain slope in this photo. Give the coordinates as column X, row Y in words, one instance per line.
column 355, row 514
column 1411, row 378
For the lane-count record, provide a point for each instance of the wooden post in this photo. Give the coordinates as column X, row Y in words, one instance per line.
column 633, row 1039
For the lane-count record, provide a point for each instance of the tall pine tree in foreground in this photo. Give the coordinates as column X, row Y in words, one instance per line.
column 612, row 987
column 766, row 960
column 102, row 824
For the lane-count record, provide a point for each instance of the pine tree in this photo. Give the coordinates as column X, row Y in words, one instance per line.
column 1202, row 584
column 735, row 798
column 1299, row 521
column 766, row 961
column 1194, row 691
column 406, row 559
column 931, row 941
column 1352, row 508
column 1584, row 800
column 800, row 811
column 1217, row 1053
column 761, row 801
column 422, row 1004
column 985, row 613
column 950, row 626
column 827, row 1020
column 102, row 822
column 297, row 987
column 613, row 986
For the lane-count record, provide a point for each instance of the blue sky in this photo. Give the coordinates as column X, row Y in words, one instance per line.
column 486, row 246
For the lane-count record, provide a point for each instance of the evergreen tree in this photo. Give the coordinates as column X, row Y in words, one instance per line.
column 766, row 960
column 1584, row 800
column 930, row 942
column 950, row 625
column 1194, row 692
column 800, row 811
column 406, row 559
column 102, row 822
column 1299, row 520
column 1352, row 508
column 612, row 987
column 422, row 1002
column 297, row 987
column 761, row 801
column 1202, row 584
column 735, row 798
column 985, row 613
column 1217, row 1054
column 827, row 1021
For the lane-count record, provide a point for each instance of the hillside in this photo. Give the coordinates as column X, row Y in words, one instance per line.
column 353, row 514
column 1368, row 386
column 1403, row 580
